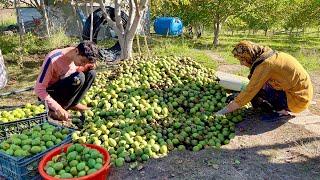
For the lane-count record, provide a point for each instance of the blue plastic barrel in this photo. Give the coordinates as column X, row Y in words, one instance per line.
column 168, row 26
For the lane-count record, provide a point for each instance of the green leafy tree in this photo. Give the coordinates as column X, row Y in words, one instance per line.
column 234, row 23
column 264, row 15
column 5, row 3
column 303, row 14
column 220, row 10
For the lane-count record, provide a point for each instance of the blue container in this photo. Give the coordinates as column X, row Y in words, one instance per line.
column 26, row 168
column 168, row 26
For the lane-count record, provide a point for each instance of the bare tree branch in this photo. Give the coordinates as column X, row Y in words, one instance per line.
column 140, row 7
column 131, row 15
column 143, row 4
column 37, row 3
column 137, row 7
column 28, row 3
column 117, row 13
column 111, row 23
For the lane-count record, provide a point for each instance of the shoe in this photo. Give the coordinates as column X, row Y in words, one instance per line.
column 273, row 117
column 79, row 107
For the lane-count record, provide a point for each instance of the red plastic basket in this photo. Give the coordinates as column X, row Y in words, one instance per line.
column 101, row 174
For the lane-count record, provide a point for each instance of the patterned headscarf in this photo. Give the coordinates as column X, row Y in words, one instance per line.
column 252, row 53
column 249, row 51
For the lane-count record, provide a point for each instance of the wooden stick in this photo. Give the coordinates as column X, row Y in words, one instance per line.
column 146, row 44
column 138, row 44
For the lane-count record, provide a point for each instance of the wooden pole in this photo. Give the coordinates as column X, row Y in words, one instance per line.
column 86, row 8
column 21, row 31
column 91, row 26
column 146, row 29
column 146, row 44
column 147, row 21
column 16, row 6
column 138, row 44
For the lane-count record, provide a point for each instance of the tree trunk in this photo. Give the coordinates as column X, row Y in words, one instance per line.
column 126, row 48
column 290, row 32
column 45, row 17
column 199, row 30
column 126, row 35
column 265, row 32
column 216, row 31
column 74, row 6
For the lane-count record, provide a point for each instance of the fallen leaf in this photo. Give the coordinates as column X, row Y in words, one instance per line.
column 140, row 167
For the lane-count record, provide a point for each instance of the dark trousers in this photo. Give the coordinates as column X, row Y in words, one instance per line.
column 70, row 90
column 269, row 99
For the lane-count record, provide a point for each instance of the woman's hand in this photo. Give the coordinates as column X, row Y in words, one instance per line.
column 232, row 106
column 222, row 112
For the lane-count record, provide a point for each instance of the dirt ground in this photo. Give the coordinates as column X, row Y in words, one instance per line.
column 260, row 150
column 287, row 149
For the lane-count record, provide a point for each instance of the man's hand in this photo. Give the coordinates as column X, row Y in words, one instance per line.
column 89, row 67
column 86, row 67
column 63, row 114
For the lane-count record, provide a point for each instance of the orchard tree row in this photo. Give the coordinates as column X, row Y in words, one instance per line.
column 239, row 15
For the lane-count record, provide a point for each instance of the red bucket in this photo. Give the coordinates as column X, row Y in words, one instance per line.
column 101, row 174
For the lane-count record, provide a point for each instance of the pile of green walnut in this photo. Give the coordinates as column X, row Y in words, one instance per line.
column 78, row 161
column 150, row 106
column 33, row 141
column 28, row 111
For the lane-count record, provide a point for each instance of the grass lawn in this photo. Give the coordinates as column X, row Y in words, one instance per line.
column 305, row 49
column 7, row 17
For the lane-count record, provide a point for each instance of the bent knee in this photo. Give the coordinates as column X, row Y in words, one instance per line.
column 92, row 73
column 79, row 79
